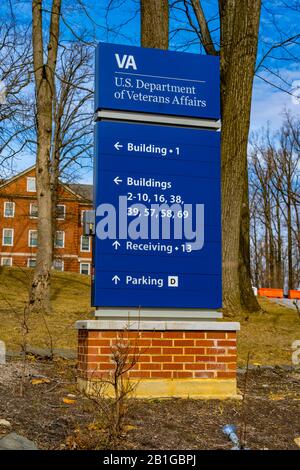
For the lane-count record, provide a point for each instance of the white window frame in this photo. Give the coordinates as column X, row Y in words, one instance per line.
column 64, row 206
column 30, row 214
column 81, row 238
column 32, row 246
column 63, row 245
column 81, row 217
column 13, row 233
column 28, row 262
column 30, row 179
column 14, row 206
column 89, row 268
column 62, row 265
column 5, row 258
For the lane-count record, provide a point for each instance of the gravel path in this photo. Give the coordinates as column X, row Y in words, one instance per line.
column 289, row 303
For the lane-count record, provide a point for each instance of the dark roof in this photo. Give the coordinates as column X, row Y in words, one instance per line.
column 84, row 190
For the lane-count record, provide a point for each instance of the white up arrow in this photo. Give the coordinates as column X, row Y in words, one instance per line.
column 118, row 146
column 116, row 279
column 117, row 180
column 116, row 244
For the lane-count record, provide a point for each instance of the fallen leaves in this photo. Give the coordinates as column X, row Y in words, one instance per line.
column 69, row 401
column 276, row 397
column 43, row 380
column 94, row 427
column 4, row 423
column 130, row 427
column 71, row 443
column 297, row 441
column 287, row 396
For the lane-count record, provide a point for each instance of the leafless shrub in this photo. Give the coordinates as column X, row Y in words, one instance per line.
column 22, row 317
column 243, row 433
column 111, row 392
column 297, row 305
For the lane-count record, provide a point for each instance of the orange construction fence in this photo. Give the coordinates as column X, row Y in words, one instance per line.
column 277, row 293
column 294, row 294
column 269, row 292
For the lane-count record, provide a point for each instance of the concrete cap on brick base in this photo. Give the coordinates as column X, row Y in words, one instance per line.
column 165, row 325
column 138, row 314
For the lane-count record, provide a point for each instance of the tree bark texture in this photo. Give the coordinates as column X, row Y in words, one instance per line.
column 44, row 74
column 155, row 23
column 239, row 39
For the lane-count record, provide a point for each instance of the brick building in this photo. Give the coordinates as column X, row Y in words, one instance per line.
column 18, row 224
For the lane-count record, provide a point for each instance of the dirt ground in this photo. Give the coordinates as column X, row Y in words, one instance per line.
column 55, row 416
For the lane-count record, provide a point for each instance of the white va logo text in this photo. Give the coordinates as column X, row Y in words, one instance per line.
column 126, row 61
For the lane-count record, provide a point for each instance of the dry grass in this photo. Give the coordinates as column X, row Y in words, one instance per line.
column 268, row 336
column 70, row 300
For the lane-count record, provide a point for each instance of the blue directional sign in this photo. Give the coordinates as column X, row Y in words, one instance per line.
column 155, row 81
column 158, row 219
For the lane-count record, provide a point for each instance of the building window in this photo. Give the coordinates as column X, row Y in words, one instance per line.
column 8, row 237
column 33, row 211
column 31, row 263
column 58, row 265
column 33, row 238
column 31, row 186
column 60, row 212
column 59, row 241
column 6, row 261
column 85, row 243
column 82, row 215
column 9, row 209
column 85, row 268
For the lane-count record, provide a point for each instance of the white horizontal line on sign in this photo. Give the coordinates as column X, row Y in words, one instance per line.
column 143, row 118
column 157, row 76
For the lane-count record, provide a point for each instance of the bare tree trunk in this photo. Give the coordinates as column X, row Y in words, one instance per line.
column 279, row 280
column 267, row 272
column 54, row 177
column 155, row 23
column 272, row 257
column 239, row 38
column 290, row 242
column 256, row 255
column 54, row 180
column 268, row 236
column 44, row 74
column 297, row 237
column 247, row 298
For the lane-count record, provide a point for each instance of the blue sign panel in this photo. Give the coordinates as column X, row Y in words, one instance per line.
column 158, row 219
column 155, row 81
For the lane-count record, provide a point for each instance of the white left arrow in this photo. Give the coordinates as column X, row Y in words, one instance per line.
column 117, row 180
column 116, row 244
column 118, row 146
column 116, row 279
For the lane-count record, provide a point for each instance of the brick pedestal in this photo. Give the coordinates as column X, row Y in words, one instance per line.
column 196, row 361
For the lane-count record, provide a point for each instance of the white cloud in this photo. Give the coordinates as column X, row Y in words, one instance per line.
column 268, row 103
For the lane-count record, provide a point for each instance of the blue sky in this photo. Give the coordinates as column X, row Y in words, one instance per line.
column 278, row 22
